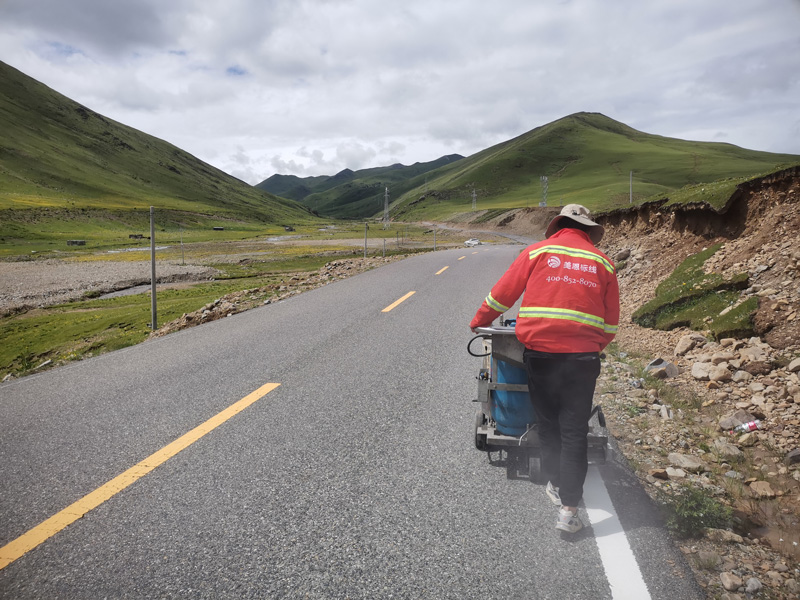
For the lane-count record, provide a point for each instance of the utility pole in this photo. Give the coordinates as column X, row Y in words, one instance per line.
column 474, row 199
column 544, row 190
column 386, row 209
column 154, row 318
column 631, row 197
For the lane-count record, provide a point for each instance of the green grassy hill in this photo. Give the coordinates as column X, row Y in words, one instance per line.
column 587, row 158
column 354, row 194
column 67, row 171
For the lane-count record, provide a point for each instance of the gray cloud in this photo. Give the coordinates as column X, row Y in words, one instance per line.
column 312, row 86
column 110, row 28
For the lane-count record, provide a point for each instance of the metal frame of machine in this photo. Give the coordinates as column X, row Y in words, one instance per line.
column 522, row 453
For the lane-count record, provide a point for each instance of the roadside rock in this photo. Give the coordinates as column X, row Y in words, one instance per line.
column 719, row 373
column 730, row 581
column 622, row 255
column 726, row 449
column 725, row 536
column 687, row 342
column 702, row 370
column 792, row 586
column 662, row 369
column 758, row 367
column 762, row 489
column 687, row 462
column 659, row 474
column 753, row 586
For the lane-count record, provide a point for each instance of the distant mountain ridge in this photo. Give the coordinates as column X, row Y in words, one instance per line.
column 61, row 158
column 587, row 158
column 353, row 194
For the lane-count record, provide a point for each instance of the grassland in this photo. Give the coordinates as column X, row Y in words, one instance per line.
column 91, row 326
column 78, row 329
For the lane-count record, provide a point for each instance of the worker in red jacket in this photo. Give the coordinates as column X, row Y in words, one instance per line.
column 569, row 313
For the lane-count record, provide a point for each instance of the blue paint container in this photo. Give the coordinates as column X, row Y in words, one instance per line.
column 511, row 411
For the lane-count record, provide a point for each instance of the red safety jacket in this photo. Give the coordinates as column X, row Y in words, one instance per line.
column 571, row 301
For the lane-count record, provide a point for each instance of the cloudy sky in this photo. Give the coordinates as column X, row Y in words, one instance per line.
column 309, row 87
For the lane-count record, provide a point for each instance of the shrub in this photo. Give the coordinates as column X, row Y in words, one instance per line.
column 689, row 511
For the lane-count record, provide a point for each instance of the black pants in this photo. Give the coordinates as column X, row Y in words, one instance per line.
column 562, row 388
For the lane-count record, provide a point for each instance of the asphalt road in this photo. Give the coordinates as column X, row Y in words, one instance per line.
column 356, row 477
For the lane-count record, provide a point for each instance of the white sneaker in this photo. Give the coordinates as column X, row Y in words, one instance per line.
column 552, row 493
column 568, row 521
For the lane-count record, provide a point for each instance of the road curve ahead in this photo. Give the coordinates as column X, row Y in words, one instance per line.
column 320, row 447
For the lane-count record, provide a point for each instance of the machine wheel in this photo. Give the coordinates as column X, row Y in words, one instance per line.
column 480, row 439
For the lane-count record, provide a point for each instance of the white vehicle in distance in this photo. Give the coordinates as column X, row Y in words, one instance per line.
column 472, row 242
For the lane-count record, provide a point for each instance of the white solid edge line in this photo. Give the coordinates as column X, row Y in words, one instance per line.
column 622, row 571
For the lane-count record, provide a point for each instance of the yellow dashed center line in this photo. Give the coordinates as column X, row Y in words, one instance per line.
column 461, row 257
column 442, row 270
column 397, row 302
column 46, row 529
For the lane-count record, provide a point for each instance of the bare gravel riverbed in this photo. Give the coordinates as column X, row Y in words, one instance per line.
column 51, row 281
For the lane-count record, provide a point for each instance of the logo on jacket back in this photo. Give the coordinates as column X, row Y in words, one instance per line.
column 553, row 262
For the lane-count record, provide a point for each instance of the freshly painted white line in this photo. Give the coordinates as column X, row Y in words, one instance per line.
column 622, row 570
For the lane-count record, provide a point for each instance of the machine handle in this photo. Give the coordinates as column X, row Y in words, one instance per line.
column 469, row 344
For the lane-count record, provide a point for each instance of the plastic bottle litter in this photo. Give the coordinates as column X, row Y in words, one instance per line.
column 745, row 427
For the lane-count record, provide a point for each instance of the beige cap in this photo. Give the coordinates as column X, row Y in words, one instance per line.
column 580, row 214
